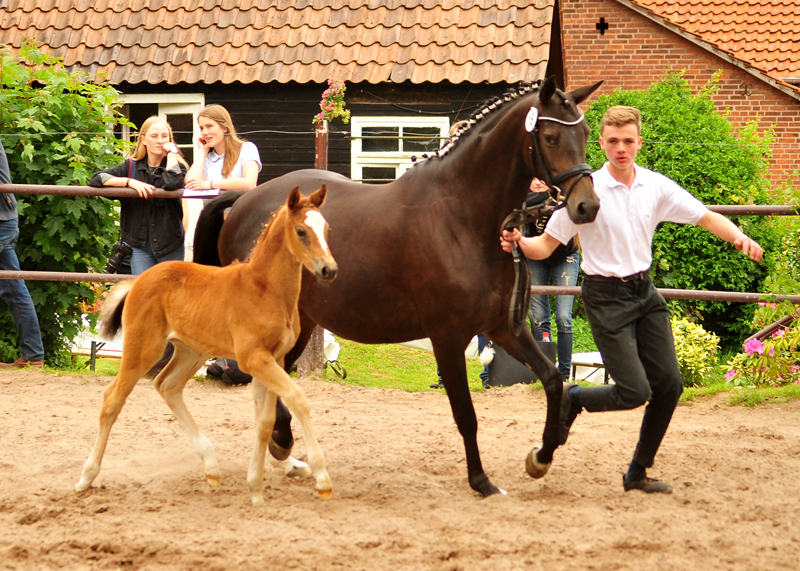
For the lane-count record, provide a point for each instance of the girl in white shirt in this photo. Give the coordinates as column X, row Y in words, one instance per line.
column 224, row 160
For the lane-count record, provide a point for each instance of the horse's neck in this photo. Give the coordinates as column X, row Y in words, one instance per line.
column 273, row 263
column 488, row 171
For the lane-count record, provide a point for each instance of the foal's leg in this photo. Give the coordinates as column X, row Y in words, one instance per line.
column 170, row 383
column 280, row 446
column 136, row 361
column 264, row 368
column 292, row 467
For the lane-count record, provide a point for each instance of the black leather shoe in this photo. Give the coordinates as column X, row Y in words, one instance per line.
column 438, row 385
column 569, row 412
column 647, row 485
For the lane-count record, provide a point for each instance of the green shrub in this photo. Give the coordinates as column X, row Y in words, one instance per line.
column 696, row 350
column 775, row 361
column 57, row 128
column 686, row 139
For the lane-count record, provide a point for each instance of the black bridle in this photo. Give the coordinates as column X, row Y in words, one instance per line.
column 558, row 198
column 520, row 298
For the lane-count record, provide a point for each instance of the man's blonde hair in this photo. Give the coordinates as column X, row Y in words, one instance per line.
column 621, row 115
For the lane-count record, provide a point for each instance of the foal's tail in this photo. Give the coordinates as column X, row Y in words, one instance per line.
column 207, row 229
column 111, row 314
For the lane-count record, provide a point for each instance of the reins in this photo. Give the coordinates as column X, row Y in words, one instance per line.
column 521, row 294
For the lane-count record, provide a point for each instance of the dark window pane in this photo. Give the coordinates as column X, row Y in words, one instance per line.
column 421, row 139
column 139, row 112
column 378, row 174
column 380, row 139
column 181, row 124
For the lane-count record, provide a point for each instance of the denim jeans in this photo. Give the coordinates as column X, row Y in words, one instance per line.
column 143, row 260
column 16, row 295
column 562, row 272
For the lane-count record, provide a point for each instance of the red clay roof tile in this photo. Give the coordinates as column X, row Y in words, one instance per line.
column 764, row 34
column 290, row 40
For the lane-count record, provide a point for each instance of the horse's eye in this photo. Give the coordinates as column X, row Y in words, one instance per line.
column 551, row 140
column 301, row 232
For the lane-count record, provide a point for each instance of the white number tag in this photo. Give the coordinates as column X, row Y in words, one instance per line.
column 530, row 120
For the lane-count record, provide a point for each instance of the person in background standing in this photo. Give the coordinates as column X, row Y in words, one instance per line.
column 562, row 269
column 14, row 292
column 152, row 227
column 224, row 160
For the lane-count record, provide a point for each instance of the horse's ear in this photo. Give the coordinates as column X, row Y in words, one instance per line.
column 317, row 198
column 294, row 198
column 547, row 90
column 582, row 93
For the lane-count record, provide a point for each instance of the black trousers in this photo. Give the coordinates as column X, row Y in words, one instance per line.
column 631, row 327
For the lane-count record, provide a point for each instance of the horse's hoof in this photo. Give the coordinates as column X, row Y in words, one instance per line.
column 213, row 481
column 325, row 494
column 534, row 468
column 278, row 452
column 257, row 500
column 292, row 467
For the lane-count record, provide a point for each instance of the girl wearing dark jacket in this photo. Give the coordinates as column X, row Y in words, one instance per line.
column 152, row 227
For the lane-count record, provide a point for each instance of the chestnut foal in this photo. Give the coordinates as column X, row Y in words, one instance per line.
column 245, row 311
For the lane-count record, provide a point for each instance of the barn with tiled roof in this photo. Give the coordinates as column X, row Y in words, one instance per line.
column 421, row 63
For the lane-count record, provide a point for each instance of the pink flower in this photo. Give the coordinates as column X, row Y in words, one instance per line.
column 732, row 373
column 795, row 368
column 754, row 346
column 778, row 333
column 772, row 351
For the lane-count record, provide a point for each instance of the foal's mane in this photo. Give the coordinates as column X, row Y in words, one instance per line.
column 489, row 106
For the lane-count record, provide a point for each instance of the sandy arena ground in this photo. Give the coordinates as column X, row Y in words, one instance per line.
column 401, row 499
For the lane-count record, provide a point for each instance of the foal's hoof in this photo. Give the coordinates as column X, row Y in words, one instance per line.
column 278, row 452
column 213, row 481
column 534, row 468
column 325, row 494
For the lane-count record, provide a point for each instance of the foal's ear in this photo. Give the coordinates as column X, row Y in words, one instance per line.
column 547, row 90
column 582, row 93
column 294, row 198
column 317, row 198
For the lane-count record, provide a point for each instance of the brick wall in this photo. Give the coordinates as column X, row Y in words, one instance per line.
column 635, row 51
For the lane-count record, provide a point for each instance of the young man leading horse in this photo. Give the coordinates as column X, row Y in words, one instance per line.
column 628, row 317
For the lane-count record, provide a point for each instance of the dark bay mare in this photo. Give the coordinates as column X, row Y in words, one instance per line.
column 421, row 257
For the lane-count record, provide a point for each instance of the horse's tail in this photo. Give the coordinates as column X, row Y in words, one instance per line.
column 207, row 229
column 111, row 314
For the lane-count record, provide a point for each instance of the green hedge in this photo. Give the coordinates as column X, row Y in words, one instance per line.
column 57, row 128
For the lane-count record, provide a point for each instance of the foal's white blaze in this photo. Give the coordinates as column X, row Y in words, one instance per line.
column 316, row 222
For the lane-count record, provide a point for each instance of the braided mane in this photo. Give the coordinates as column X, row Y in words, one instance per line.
column 479, row 114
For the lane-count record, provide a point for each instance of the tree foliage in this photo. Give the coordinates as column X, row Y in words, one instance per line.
column 57, row 128
column 688, row 140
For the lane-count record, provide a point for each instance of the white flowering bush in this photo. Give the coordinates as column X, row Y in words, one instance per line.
column 696, row 349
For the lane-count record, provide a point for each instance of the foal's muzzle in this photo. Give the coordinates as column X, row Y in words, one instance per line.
column 325, row 271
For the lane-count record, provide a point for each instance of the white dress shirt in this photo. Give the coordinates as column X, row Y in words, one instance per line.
column 619, row 241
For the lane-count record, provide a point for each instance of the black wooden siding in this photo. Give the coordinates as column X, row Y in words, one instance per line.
column 277, row 118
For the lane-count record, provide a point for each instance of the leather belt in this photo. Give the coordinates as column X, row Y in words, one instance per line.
column 631, row 278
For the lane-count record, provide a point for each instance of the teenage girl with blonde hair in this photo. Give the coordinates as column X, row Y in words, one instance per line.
column 152, row 227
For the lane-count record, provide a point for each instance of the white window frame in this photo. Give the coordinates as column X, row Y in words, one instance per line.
column 400, row 160
column 173, row 104
column 168, row 103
